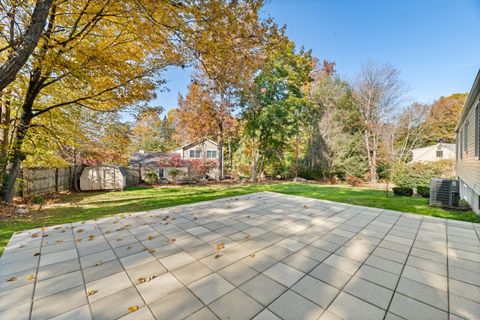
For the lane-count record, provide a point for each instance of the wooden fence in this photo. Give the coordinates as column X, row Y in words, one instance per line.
column 34, row 182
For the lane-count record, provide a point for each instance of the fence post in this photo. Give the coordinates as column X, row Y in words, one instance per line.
column 139, row 173
column 56, row 180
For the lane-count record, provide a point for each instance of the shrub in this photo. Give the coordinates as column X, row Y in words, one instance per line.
column 38, row 200
column 420, row 173
column 403, row 191
column 151, row 177
column 354, row 181
column 333, row 180
column 423, row 191
column 175, row 174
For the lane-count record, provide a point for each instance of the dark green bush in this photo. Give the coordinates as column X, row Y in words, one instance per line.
column 419, row 173
column 423, row 191
column 403, row 191
column 38, row 200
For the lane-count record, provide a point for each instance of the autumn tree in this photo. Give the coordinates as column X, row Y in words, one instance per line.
column 277, row 99
column 152, row 132
column 378, row 91
column 19, row 38
column 442, row 119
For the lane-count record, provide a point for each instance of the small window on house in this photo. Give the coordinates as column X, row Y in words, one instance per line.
column 460, row 142
column 439, row 154
column 161, row 173
column 477, row 130
column 194, row 153
column 212, row 154
column 465, row 137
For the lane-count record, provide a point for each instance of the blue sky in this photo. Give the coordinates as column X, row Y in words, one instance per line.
column 434, row 43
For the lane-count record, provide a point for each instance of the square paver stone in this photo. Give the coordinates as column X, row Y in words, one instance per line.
column 59, row 303
column 263, row 289
column 235, row 305
column 116, row 305
column 347, row 306
column 177, row 305
column 159, row 287
column 292, row 306
column 315, row 290
column 176, row 260
column 369, row 291
column 210, row 288
column 191, row 272
column 108, row 285
column 237, row 273
column 284, row 274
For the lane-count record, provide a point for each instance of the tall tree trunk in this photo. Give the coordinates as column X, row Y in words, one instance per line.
column 230, row 154
column 368, row 149
column 5, row 118
column 262, row 164
column 16, row 60
column 255, row 164
column 17, row 156
column 296, row 154
column 7, row 190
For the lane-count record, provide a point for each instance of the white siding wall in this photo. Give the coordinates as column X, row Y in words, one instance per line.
column 430, row 154
column 468, row 163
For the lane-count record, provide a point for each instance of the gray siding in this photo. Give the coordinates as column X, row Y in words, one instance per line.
column 468, row 164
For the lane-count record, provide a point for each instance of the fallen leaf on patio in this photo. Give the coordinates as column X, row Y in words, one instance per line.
column 45, row 235
column 11, row 279
column 62, row 231
column 91, row 292
column 30, row 277
column 252, row 255
column 58, row 241
column 34, row 235
column 247, row 236
column 119, row 239
column 248, row 216
column 80, row 230
column 195, row 218
column 108, row 231
column 56, row 228
column 173, row 218
column 82, row 222
column 129, row 247
column 132, row 308
column 218, row 255
column 115, row 222
column 36, row 254
column 43, row 228
column 171, row 240
column 98, row 263
column 91, row 237
column 151, row 250
column 150, row 238
column 305, row 206
column 220, row 246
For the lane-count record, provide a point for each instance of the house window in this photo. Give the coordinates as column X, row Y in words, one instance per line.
column 477, row 130
column 212, row 154
column 460, row 139
column 161, row 173
column 194, row 153
column 439, row 154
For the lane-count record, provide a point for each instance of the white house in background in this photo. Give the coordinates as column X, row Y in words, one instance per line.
column 151, row 161
column 468, row 148
column 439, row 151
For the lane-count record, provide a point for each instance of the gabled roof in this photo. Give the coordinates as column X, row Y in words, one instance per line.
column 470, row 103
column 191, row 144
column 449, row 146
column 148, row 157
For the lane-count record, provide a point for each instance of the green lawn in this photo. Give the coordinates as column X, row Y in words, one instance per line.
column 91, row 205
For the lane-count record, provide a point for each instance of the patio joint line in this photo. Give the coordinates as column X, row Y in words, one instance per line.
column 363, row 263
column 448, row 269
column 36, row 275
column 118, row 259
column 306, row 273
column 81, row 271
column 403, row 267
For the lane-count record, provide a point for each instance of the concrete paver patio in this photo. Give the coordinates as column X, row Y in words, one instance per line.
column 259, row 256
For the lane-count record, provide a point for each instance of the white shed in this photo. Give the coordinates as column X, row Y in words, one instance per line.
column 102, row 177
